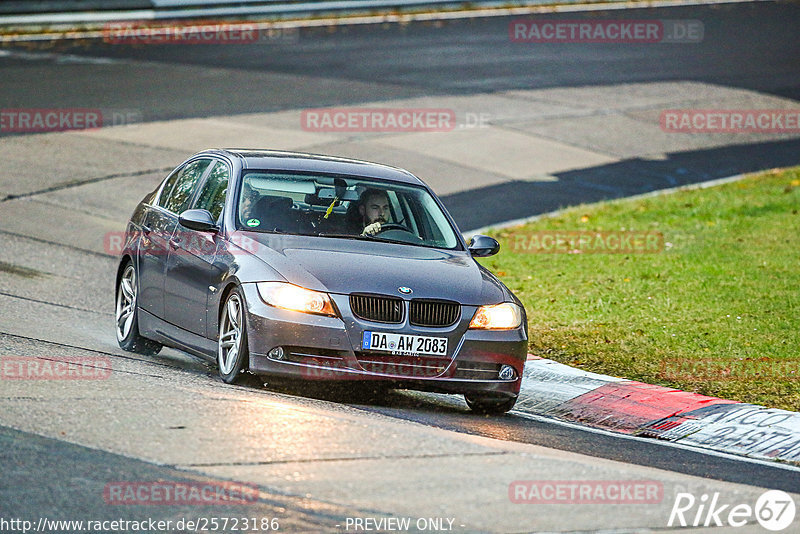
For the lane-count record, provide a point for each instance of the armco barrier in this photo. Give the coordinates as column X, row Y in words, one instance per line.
column 18, row 13
column 64, row 6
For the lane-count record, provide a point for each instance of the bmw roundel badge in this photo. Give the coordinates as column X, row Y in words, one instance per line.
column 405, row 290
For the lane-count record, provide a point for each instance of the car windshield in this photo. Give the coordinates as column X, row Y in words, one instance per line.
column 345, row 207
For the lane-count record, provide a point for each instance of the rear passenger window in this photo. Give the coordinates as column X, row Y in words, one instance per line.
column 212, row 196
column 186, row 179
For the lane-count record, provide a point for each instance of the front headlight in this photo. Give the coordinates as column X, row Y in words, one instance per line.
column 504, row 316
column 292, row 297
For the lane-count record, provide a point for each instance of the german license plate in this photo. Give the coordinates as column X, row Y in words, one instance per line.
column 404, row 344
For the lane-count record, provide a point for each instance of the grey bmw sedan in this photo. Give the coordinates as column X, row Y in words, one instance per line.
column 319, row 268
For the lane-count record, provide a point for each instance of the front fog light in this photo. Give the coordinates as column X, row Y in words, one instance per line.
column 276, row 353
column 507, row 373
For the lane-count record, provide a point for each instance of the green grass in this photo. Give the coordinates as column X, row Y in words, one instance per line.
column 724, row 292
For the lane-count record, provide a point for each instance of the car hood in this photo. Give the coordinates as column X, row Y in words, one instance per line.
column 347, row 266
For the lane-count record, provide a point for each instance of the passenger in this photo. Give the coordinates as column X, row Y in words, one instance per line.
column 247, row 202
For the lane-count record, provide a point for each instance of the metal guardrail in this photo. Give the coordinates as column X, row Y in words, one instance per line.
column 23, row 7
column 61, row 15
column 20, row 8
column 76, row 12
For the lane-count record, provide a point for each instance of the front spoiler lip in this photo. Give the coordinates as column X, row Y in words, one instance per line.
column 367, row 374
column 262, row 365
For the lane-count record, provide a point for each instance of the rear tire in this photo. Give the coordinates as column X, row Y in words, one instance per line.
column 127, row 315
column 233, row 355
column 489, row 404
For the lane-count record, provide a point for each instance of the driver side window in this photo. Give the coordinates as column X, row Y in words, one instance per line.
column 212, row 196
column 177, row 199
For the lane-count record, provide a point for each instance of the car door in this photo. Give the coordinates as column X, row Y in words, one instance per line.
column 153, row 249
column 192, row 268
column 158, row 227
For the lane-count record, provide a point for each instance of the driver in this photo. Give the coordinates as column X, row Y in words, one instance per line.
column 374, row 210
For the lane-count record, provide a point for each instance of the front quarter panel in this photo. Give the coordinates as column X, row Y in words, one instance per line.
column 237, row 261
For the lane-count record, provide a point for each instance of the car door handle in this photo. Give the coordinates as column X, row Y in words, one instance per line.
column 174, row 243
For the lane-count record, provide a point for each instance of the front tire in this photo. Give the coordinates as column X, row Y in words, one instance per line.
column 232, row 352
column 127, row 315
column 488, row 404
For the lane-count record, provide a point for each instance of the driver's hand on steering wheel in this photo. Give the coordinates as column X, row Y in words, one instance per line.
column 372, row 229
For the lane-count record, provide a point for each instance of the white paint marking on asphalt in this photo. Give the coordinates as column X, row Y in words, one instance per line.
column 691, row 448
column 61, row 58
column 70, row 58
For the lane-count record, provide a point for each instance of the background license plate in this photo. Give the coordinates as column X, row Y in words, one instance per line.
column 404, row 343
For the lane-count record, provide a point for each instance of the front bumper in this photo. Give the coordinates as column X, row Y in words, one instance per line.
column 327, row 348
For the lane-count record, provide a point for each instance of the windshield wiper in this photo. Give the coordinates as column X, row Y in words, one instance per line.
column 371, row 238
column 341, row 235
column 386, row 240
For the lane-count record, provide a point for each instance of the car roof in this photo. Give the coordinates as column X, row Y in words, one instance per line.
column 301, row 161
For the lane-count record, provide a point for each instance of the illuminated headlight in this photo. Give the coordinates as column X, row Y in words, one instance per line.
column 291, row 297
column 504, row 316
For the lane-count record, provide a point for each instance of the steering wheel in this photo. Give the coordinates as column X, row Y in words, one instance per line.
column 408, row 235
column 394, row 226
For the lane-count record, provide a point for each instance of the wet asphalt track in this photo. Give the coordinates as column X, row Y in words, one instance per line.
column 361, row 64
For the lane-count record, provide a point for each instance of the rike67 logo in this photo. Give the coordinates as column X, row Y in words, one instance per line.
column 774, row 510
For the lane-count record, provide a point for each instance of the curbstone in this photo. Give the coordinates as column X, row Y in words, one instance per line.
column 556, row 390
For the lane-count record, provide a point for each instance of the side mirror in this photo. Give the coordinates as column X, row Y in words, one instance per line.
column 199, row 220
column 483, row 245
